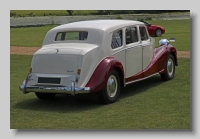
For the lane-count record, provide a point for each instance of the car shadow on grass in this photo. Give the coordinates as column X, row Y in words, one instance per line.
column 61, row 103
column 83, row 102
column 140, row 86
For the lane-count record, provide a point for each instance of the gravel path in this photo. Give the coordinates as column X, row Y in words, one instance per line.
column 31, row 50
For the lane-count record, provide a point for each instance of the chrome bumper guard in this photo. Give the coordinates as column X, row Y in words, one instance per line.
column 65, row 90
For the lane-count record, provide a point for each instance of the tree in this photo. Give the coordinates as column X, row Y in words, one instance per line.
column 70, row 12
column 103, row 12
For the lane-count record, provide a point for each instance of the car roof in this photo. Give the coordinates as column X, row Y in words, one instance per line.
column 98, row 24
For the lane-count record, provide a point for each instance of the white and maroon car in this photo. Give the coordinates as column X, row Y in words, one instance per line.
column 97, row 56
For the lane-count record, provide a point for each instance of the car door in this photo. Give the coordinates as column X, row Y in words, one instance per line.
column 147, row 47
column 133, row 52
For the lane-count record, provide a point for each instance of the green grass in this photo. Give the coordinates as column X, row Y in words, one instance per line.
column 180, row 29
column 33, row 36
column 148, row 104
column 30, row 36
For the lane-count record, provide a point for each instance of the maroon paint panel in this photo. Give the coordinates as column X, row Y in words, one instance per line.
column 158, row 62
column 135, row 77
column 99, row 78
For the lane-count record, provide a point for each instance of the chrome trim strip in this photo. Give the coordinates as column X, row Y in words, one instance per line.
column 146, row 45
column 126, row 49
column 66, row 90
column 141, row 79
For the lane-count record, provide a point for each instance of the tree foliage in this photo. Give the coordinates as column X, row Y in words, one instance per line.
column 110, row 12
column 70, row 12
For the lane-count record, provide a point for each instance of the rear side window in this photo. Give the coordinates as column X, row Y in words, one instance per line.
column 131, row 35
column 143, row 33
column 71, row 35
column 116, row 39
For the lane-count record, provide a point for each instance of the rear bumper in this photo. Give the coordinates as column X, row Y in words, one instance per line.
column 48, row 89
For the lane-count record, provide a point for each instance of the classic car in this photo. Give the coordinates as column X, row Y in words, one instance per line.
column 97, row 56
column 154, row 30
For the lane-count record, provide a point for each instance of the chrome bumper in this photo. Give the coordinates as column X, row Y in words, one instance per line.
column 65, row 90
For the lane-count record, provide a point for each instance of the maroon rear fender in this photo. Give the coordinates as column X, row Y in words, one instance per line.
column 98, row 80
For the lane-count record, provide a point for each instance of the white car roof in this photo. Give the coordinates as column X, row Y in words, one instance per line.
column 97, row 28
column 98, row 24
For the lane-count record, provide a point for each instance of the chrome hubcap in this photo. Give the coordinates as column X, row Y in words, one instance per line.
column 170, row 67
column 112, row 86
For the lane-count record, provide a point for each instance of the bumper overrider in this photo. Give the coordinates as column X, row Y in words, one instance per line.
column 72, row 90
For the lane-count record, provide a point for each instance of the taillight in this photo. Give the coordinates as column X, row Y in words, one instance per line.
column 30, row 70
column 79, row 71
column 28, row 76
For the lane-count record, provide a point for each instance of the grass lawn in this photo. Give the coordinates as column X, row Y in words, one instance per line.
column 180, row 29
column 148, row 104
column 33, row 36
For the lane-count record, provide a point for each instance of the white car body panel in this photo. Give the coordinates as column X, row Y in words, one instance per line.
column 133, row 60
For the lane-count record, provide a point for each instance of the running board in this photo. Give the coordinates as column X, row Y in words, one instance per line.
column 142, row 78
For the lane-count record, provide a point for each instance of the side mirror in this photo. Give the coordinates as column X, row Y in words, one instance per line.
column 172, row 39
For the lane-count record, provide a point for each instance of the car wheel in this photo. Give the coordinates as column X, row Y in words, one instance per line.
column 45, row 95
column 169, row 69
column 158, row 32
column 111, row 92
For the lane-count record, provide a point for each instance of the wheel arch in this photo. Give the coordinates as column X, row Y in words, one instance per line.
column 98, row 79
column 175, row 58
column 121, row 76
column 160, row 29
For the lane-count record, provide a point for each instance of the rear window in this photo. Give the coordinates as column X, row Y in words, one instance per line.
column 71, row 35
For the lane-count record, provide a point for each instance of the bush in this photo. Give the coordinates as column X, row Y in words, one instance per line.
column 119, row 17
column 122, row 12
column 140, row 19
column 103, row 12
column 148, row 18
column 70, row 12
column 31, row 14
